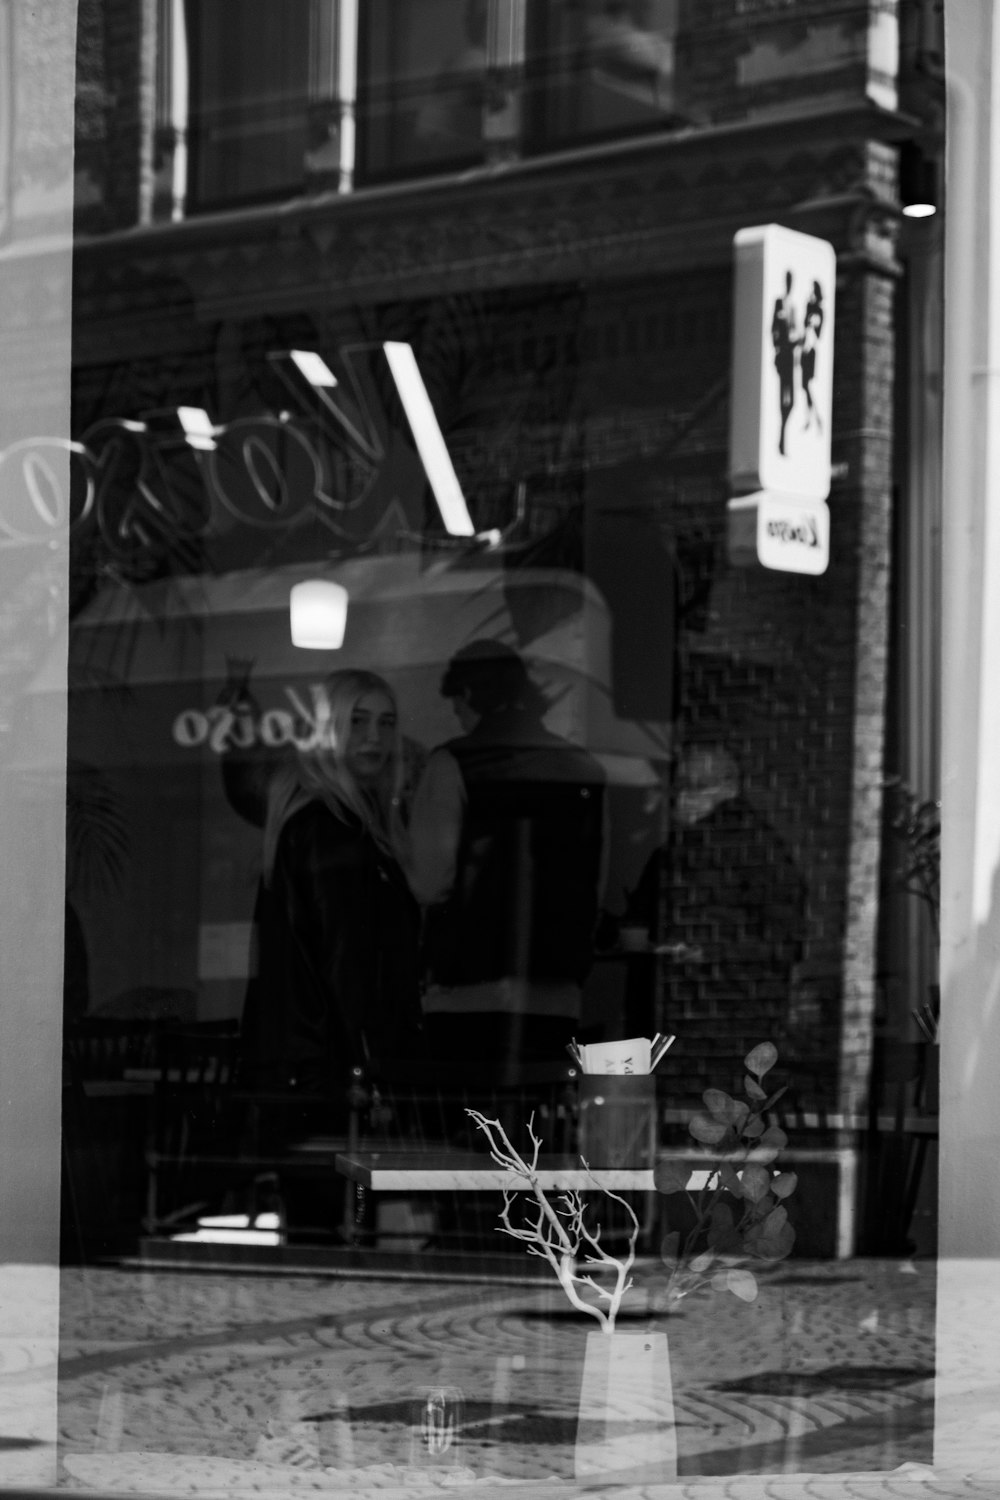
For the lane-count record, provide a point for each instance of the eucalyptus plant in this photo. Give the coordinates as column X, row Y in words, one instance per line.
column 917, row 823
column 740, row 1219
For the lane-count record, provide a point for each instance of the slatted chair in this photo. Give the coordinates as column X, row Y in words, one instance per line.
column 193, row 1131
column 100, row 1050
column 108, row 1063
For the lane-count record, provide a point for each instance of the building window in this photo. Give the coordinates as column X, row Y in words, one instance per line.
column 249, row 103
column 426, row 75
column 601, row 68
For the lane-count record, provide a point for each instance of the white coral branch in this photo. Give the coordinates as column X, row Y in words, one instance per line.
column 558, row 1233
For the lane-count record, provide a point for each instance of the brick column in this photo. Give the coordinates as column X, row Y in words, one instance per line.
column 867, row 384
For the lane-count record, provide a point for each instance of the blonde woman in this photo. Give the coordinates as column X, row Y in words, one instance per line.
column 336, row 927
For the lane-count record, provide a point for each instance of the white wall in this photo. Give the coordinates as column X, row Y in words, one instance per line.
column 37, row 59
column 968, row 1413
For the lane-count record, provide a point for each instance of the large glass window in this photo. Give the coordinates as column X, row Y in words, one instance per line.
column 468, row 732
column 511, row 505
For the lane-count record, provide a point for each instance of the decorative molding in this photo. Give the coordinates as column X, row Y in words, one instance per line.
column 581, row 219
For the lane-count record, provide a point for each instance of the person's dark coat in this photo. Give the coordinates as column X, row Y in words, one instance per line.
column 336, row 934
column 525, row 896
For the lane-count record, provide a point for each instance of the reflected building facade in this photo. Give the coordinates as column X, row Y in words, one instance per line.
column 421, row 318
column 435, row 302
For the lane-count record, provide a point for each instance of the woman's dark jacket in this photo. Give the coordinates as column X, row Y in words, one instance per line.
column 335, row 983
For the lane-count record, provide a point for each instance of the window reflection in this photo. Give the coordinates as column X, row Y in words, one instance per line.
column 507, row 834
column 440, row 83
column 600, row 780
column 605, row 68
column 249, row 77
column 266, row 99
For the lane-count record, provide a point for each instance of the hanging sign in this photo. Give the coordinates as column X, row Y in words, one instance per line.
column 782, row 391
column 786, row 535
column 782, row 387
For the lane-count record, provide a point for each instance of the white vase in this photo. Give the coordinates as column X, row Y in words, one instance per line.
column 626, row 1406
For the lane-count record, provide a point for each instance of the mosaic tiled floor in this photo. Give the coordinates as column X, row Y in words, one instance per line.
column 214, row 1382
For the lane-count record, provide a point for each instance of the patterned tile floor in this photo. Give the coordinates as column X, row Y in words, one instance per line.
column 218, row 1382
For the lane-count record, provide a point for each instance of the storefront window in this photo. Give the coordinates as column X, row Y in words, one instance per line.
column 469, row 728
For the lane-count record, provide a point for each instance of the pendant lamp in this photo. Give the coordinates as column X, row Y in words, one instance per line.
column 318, row 614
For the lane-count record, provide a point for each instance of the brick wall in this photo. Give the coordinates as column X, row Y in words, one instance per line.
column 794, row 669
column 116, row 89
column 757, row 58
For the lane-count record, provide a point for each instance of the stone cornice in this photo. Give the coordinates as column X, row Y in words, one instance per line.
column 660, row 204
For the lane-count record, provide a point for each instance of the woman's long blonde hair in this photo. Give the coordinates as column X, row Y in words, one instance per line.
column 320, row 772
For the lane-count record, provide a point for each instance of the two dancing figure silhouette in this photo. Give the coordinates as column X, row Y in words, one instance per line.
column 794, row 348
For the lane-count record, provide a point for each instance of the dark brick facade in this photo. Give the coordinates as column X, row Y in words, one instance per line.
column 115, row 113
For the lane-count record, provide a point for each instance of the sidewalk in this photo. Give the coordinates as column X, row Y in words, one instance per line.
column 214, row 1382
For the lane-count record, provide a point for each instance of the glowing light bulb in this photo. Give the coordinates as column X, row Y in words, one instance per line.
column 318, row 614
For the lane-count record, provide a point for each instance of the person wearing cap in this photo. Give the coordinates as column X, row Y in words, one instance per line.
column 506, row 848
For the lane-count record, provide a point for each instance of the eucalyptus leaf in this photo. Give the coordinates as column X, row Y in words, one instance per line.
column 754, row 1182
column 740, row 1147
column 769, row 1144
column 776, row 1220
column 726, row 1241
column 752, row 1237
column 784, row 1184
column 729, row 1179
column 743, row 1284
column 774, row 1246
column 670, row 1176
column 722, row 1106
column 710, row 1132
column 670, row 1249
column 761, row 1059
column 722, row 1216
column 718, row 1103
column 780, row 1244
